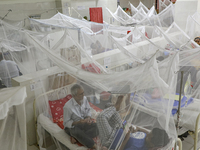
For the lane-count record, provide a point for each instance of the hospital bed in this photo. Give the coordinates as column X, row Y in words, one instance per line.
column 191, row 122
column 187, row 121
column 42, row 120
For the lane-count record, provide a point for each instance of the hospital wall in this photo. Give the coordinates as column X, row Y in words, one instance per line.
column 147, row 3
column 20, row 10
column 82, row 7
column 183, row 8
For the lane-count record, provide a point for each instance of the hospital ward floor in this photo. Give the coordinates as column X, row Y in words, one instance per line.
column 187, row 144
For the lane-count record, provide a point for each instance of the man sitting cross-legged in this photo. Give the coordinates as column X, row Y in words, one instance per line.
column 77, row 118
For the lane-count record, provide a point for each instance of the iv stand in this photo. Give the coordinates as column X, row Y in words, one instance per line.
column 179, row 105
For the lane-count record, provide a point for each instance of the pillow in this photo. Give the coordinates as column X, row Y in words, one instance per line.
column 56, row 107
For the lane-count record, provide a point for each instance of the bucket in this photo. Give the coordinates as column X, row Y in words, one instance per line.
column 138, row 139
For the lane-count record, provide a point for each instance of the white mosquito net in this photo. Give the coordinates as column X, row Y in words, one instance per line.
column 163, row 4
column 192, row 27
column 141, row 5
column 112, row 68
column 13, row 118
column 177, row 38
column 134, row 10
column 166, row 16
column 66, row 51
column 18, row 56
column 143, row 17
column 196, row 16
column 188, row 86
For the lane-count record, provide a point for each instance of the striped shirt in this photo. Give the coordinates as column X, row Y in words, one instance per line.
column 72, row 111
column 108, row 122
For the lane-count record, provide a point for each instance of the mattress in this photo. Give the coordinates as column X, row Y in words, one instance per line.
column 58, row 133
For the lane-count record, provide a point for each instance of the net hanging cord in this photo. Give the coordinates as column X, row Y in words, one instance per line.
column 10, row 10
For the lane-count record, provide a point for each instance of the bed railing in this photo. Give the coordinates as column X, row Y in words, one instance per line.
column 195, row 133
column 45, row 95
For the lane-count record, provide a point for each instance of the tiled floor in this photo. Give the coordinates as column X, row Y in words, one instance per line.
column 188, row 143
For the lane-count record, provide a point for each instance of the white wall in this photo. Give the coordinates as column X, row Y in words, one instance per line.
column 81, row 6
column 21, row 9
column 147, row 3
column 183, row 8
column 110, row 4
column 125, row 3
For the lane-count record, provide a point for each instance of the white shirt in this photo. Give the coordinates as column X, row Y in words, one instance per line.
column 8, row 70
column 72, row 111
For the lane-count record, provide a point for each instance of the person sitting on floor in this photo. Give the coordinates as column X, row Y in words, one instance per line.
column 77, row 118
column 110, row 128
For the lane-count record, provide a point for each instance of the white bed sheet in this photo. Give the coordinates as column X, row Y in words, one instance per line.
column 58, row 133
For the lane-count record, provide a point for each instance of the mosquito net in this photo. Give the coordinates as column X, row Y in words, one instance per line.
column 188, row 86
column 134, row 10
column 75, row 14
column 13, row 118
column 142, row 17
column 192, row 27
column 90, row 27
column 18, row 56
column 196, row 16
column 179, row 40
column 137, row 42
column 106, row 70
column 121, row 16
column 166, row 16
column 124, row 79
column 141, row 5
column 163, row 4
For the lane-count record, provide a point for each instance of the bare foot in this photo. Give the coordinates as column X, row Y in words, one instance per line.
column 73, row 140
